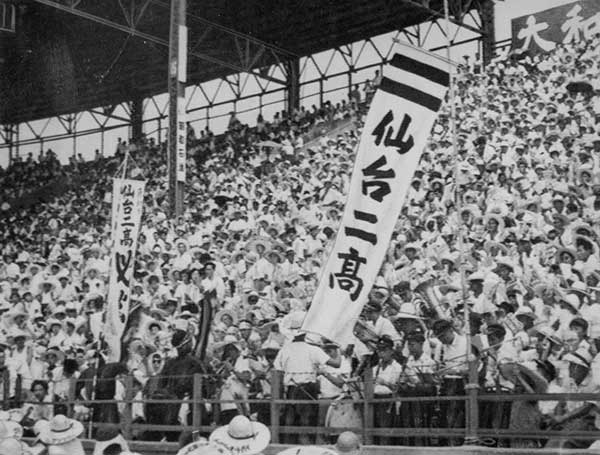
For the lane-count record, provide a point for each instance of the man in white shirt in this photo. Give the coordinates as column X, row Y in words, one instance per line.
column 417, row 380
column 300, row 363
column 497, row 414
column 386, row 377
column 451, row 355
column 380, row 325
column 331, row 381
column 212, row 282
column 183, row 259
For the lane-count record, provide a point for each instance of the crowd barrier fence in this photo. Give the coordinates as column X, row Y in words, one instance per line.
column 276, row 404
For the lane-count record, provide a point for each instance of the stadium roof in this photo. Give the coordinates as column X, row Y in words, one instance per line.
column 59, row 62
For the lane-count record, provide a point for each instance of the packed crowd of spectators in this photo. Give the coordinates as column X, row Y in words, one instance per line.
column 257, row 226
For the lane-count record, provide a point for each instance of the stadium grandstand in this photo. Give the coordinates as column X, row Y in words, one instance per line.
column 179, row 177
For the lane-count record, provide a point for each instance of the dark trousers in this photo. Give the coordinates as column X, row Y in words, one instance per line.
column 384, row 416
column 301, row 414
column 416, row 414
column 452, row 413
column 495, row 414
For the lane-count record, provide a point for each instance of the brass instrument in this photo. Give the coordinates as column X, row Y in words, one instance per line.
column 365, row 334
column 431, row 308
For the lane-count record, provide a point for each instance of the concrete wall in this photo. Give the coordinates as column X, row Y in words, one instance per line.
column 155, row 448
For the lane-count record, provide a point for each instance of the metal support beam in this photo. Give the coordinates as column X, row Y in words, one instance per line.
column 487, row 14
column 177, row 122
column 137, row 118
column 293, row 84
column 132, row 30
column 440, row 15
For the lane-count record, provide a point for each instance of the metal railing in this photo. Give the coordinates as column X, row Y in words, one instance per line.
column 367, row 407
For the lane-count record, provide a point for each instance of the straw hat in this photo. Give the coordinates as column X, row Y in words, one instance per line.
column 61, row 430
column 54, row 351
column 581, row 356
column 310, row 450
column 10, row 429
column 348, row 443
column 203, row 447
column 226, row 312
column 242, row 436
column 13, row 447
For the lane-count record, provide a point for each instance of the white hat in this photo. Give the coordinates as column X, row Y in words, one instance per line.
column 10, row 429
column 310, row 450
column 476, row 276
column 242, row 436
column 61, row 430
column 572, row 300
column 13, row 446
column 202, row 447
column 581, row 356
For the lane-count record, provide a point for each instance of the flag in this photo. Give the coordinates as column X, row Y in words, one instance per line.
column 128, row 201
column 396, row 130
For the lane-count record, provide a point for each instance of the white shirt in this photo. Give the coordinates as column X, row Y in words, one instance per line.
column 454, row 355
column 329, row 389
column 300, row 362
column 384, row 326
column 415, row 367
column 390, row 374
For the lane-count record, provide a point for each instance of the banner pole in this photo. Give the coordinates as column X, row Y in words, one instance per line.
column 472, row 408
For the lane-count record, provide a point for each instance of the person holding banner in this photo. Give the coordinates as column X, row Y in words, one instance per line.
column 300, row 362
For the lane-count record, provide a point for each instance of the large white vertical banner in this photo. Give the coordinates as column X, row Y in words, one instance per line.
column 396, row 130
column 181, row 105
column 128, row 203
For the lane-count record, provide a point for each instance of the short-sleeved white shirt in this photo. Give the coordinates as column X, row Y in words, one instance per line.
column 300, row 362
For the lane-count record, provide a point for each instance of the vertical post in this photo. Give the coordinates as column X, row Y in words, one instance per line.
column 127, row 411
column 275, row 395
column 293, row 84
column 471, row 408
column 321, row 91
column 177, row 120
column 18, row 390
column 369, row 420
column 71, row 396
column 487, row 13
column 5, row 389
column 72, row 132
column 16, row 139
column 137, row 117
column 8, row 138
column 197, row 405
column 102, row 141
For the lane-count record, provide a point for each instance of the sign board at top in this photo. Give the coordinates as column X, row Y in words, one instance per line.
column 542, row 31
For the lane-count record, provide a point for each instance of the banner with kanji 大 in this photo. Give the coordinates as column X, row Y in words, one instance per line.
column 544, row 30
column 396, row 130
column 128, row 202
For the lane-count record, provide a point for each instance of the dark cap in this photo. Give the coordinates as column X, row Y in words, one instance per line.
column 497, row 330
column 440, row 326
column 417, row 336
column 373, row 306
column 579, row 322
column 385, row 342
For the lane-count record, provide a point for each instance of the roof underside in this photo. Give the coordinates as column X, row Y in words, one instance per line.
column 59, row 63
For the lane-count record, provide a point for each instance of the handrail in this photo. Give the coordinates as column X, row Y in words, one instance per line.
column 197, row 402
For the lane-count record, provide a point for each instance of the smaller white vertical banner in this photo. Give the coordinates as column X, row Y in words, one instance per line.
column 128, row 203
column 182, row 55
column 181, row 139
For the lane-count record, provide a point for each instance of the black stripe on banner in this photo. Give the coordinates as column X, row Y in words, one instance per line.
column 411, row 94
column 421, row 69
